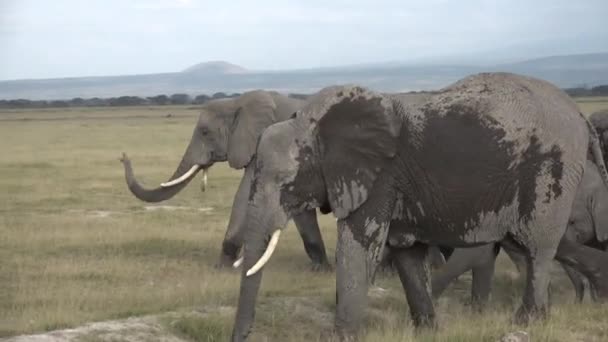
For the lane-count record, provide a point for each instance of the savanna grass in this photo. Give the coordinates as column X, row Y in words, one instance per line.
column 76, row 246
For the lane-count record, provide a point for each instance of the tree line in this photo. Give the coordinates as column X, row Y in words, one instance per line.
column 158, row 100
column 601, row 90
column 185, row 99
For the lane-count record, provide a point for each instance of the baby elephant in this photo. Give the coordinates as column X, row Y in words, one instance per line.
column 588, row 225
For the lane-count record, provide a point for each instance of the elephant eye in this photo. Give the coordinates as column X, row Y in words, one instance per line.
column 204, row 130
column 570, row 222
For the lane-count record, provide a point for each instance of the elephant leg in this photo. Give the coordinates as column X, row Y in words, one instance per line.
column 308, row 227
column 536, row 298
column 461, row 260
column 351, row 283
column 233, row 239
column 518, row 257
column 413, row 266
column 483, row 273
column 577, row 281
column 592, row 263
column 437, row 258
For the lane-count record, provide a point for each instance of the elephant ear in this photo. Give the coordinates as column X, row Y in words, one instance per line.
column 358, row 138
column 256, row 111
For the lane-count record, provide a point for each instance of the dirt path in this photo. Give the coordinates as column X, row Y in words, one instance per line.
column 135, row 329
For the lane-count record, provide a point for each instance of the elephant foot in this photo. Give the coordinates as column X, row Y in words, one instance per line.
column 524, row 315
column 476, row 305
column 321, row 267
column 424, row 322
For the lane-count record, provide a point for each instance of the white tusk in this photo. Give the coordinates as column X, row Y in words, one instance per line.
column 185, row 176
column 238, row 263
column 204, row 183
column 267, row 253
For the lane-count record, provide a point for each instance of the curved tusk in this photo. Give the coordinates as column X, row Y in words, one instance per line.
column 238, row 263
column 267, row 253
column 204, row 182
column 185, row 176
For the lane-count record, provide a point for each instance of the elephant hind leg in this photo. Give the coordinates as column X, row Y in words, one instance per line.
column 591, row 262
column 535, row 301
column 577, row 281
column 539, row 251
column 415, row 274
column 482, row 278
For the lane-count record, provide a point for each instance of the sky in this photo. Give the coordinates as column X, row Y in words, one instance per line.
column 71, row 38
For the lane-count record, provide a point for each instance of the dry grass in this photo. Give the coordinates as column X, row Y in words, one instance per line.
column 592, row 104
column 76, row 246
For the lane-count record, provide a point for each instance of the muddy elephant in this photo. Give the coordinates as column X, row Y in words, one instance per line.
column 587, row 225
column 228, row 130
column 492, row 158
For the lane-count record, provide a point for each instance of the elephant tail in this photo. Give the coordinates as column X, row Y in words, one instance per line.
column 596, row 150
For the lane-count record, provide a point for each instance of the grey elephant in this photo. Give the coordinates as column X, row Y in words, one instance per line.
column 587, row 225
column 600, row 121
column 492, row 158
column 228, row 129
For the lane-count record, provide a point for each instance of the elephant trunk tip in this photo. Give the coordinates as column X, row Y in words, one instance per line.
column 124, row 158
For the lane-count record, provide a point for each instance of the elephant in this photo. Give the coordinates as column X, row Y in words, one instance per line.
column 587, row 225
column 227, row 130
column 494, row 157
column 599, row 119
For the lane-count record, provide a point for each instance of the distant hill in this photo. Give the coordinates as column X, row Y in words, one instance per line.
column 216, row 68
column 210, row 77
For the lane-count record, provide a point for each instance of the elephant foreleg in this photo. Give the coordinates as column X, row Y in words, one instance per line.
column 308, row 227
column 352, row 282
column 413, row 266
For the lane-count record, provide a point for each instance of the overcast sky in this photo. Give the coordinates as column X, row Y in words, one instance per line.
column 64, row 38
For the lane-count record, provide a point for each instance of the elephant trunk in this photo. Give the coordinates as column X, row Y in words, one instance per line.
column 184, row 173
column 254, row 248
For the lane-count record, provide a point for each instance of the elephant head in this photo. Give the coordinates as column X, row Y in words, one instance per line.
column 589, row 216
column 226, row 130
column 332, row 151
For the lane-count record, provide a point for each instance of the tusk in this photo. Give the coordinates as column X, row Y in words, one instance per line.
column 185, row 176
column 267, row 253
column 238, row 263
column 204, row 182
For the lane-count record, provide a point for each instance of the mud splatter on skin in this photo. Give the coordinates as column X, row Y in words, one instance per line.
column 461, row 166
column 533, row 162
column 357, row 141
column 306, row 189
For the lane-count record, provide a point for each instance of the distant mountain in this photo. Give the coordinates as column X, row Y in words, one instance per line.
column 210, row 77
column 216, row 68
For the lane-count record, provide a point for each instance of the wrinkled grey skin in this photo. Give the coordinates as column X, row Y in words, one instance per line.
column 588, row 225
column 600, row 122
column 228, row 130
column 491, row 158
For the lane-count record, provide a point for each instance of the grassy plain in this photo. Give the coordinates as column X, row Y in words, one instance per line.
column 76, row 246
